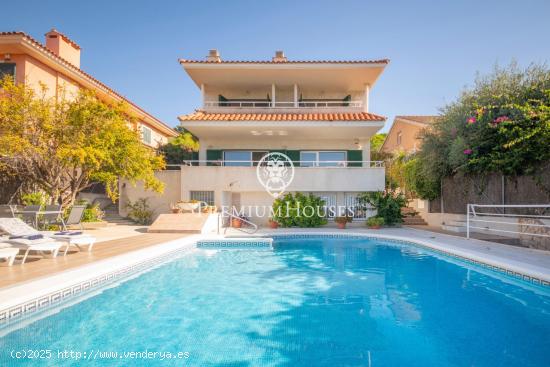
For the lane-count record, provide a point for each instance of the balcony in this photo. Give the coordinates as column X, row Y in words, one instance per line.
column 347, row 176
column 302, row 106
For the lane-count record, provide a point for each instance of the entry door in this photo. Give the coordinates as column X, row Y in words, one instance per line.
column 330, row 202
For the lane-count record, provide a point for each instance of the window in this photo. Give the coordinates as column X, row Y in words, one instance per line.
column 146, row 134
column 7, row 69
column 399, row 136
column 206, row 196
column 323, row 159
column 308, row 159
column 242, row 158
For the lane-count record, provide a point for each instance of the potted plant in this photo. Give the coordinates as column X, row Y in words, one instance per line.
column 375, row 222
column 174, row 208
column 341, row 222
column 189, row 206
column 273, row 224
column 236, row 222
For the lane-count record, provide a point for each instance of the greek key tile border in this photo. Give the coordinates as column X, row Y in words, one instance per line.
column 42, row 303
column 253, row 243
column 502, row 270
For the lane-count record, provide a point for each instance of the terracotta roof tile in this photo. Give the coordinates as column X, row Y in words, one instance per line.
column 67, row 64
column 208, row 116
column 381, row 61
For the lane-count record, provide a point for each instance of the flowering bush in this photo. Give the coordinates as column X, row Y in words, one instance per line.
column 501, row 125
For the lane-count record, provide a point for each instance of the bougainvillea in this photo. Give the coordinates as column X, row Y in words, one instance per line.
column 500, row 125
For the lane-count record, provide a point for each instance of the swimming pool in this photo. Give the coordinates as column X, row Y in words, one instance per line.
column 308, row 302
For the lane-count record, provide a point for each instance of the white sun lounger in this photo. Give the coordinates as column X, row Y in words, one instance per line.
column 8, row 254
column 16, row 227
column 40, row 245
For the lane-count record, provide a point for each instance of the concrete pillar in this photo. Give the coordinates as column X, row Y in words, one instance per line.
column 295, row 95
column 273, row 104
column 203, row 95
column 366, row 150
column 366, row 98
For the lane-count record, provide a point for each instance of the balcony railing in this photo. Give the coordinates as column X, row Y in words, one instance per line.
column 284, row 105
column 297, row 164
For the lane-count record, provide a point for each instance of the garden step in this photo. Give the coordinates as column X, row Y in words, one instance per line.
column 414, row 221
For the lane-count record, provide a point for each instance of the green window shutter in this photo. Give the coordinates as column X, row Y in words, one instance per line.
column 355, row 156
column 214, row 155
column 195, row 157
column 294, row 155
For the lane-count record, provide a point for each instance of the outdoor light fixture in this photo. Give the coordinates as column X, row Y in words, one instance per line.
column 7, row 57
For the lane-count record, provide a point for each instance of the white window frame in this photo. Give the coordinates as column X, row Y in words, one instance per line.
column 250, row 153
column 317, row 161
column 145, row 128
column 200, row 195
column 399, row 137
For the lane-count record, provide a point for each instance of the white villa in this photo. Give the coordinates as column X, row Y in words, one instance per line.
column 315, row 112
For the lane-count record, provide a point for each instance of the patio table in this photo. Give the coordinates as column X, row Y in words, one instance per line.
column 38, row 213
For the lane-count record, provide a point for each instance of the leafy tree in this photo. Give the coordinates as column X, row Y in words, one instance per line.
column 63, row 145
column 500, row 125
column 181, row 147
column 376, row 142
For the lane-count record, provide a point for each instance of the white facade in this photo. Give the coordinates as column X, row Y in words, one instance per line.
column 316, row 113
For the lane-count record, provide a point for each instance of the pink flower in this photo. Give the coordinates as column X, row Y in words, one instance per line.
column 471, row 120
column 500, row 119
column 468, row 151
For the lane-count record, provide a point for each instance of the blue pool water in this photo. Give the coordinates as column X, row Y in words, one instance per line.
column 309, row 302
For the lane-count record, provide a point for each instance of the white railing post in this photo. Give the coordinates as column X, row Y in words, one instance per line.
column 468, row 221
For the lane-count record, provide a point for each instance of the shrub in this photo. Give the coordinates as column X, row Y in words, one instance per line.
column 387, row 203
column 299, row 210
column 92, row 213
column 140, row 212
column 375, row 221
column 500, row 125
column 34, row 198
column 418, row 182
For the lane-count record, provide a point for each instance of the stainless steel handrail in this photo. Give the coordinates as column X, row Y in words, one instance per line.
column 254, row 226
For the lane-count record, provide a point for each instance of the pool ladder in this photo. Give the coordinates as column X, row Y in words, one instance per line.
column 253, row 230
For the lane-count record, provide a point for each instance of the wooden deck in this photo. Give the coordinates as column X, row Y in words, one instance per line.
column 37, row 266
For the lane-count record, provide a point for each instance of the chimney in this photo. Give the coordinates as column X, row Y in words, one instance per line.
column 213, row 56
column 63, row 47
column 279, row 57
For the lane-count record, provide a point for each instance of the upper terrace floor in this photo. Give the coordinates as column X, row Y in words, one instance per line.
column 282, row 85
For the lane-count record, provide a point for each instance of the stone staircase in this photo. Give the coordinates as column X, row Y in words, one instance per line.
column 412, row 217
column 113, row 218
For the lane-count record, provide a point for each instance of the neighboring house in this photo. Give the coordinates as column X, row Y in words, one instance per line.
column 57, row 66
column 315, row 112
column 404, row 133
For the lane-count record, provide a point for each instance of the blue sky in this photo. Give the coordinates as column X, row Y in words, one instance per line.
column 435, row 47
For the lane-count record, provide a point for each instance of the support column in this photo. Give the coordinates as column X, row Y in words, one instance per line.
column 203, row 95
column 366, row 151
column 295, row 95
column 273, row 101
column 366, row 98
